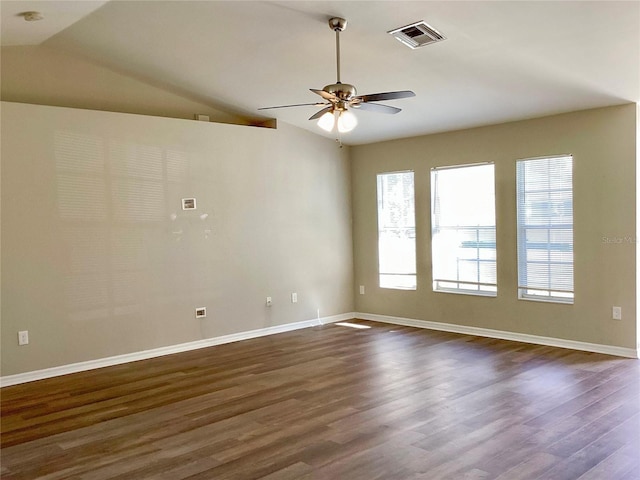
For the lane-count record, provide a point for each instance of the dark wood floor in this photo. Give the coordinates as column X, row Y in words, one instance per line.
column 334, row 402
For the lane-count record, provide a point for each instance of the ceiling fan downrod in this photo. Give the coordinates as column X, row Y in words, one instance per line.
column 337, row 24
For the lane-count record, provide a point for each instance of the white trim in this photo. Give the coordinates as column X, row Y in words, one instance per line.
column 236, row 337
column 547, row 157
column 502, row 335
column 168, row 350
column 461, row 165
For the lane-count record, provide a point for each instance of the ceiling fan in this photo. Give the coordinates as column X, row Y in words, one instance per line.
column 340, row 97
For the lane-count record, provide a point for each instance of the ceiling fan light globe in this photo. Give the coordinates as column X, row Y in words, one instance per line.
column 347, row 121
column 327, row 121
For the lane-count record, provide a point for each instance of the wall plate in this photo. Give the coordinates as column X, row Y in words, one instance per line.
column 188, row 204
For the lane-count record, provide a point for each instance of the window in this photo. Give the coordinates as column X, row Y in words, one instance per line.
column 396, row 231
column 545, row 228
column 463, row 229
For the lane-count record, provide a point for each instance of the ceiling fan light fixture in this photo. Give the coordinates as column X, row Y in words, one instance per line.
column 327, row 121
column 338, row 97
column 347, row 121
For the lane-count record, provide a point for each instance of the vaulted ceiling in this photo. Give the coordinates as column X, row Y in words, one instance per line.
column 501, row 61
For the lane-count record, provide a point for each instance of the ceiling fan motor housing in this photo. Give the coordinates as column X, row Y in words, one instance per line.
column 344, row 91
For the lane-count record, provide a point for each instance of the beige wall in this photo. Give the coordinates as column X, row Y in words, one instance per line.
column 45, row 76
column 93, row 264
column 98, row 259
column 603, row 144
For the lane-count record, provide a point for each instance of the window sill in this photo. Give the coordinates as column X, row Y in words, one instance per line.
column 468, row 292
column 558, row 301
column 399, row 288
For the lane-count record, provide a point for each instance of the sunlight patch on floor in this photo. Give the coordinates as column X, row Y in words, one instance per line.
column 352, row 325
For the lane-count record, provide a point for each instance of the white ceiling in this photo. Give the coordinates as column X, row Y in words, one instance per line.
column 502, row 60
column 58, row 16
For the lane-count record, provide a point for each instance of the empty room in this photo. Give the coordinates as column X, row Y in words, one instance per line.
column 328, row 240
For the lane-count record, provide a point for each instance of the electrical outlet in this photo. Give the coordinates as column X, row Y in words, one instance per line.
column 294, row 297
column 269, row 302
column 616, row 313
column 23, row 337
column 201, row 312
column 361, row 289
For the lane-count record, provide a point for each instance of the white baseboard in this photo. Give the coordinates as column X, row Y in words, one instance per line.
column 502, row 335
column 236, row 337
column 158, row 352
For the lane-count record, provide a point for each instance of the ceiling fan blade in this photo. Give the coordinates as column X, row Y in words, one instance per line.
column 376, row 107
column 376, row 97
column 321, row 112
column 323, row 94
column 295, row 105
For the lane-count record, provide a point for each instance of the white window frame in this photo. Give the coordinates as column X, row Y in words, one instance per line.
column 458, row 285
column 537, row 292
column 407, row 275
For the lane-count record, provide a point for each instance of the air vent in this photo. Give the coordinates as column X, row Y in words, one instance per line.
column 417, row 35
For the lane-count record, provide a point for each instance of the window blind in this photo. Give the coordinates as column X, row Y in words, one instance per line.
column 545, row 228
column 396, row 231
column 463, row 229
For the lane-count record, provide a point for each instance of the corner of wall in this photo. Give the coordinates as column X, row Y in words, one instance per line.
column 637, row 266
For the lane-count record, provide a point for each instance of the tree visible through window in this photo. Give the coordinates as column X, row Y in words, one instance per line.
column 396, row 230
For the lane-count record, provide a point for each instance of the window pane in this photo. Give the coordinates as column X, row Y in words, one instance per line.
column 396, row 230
column 545, row 228
column 463, row 228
